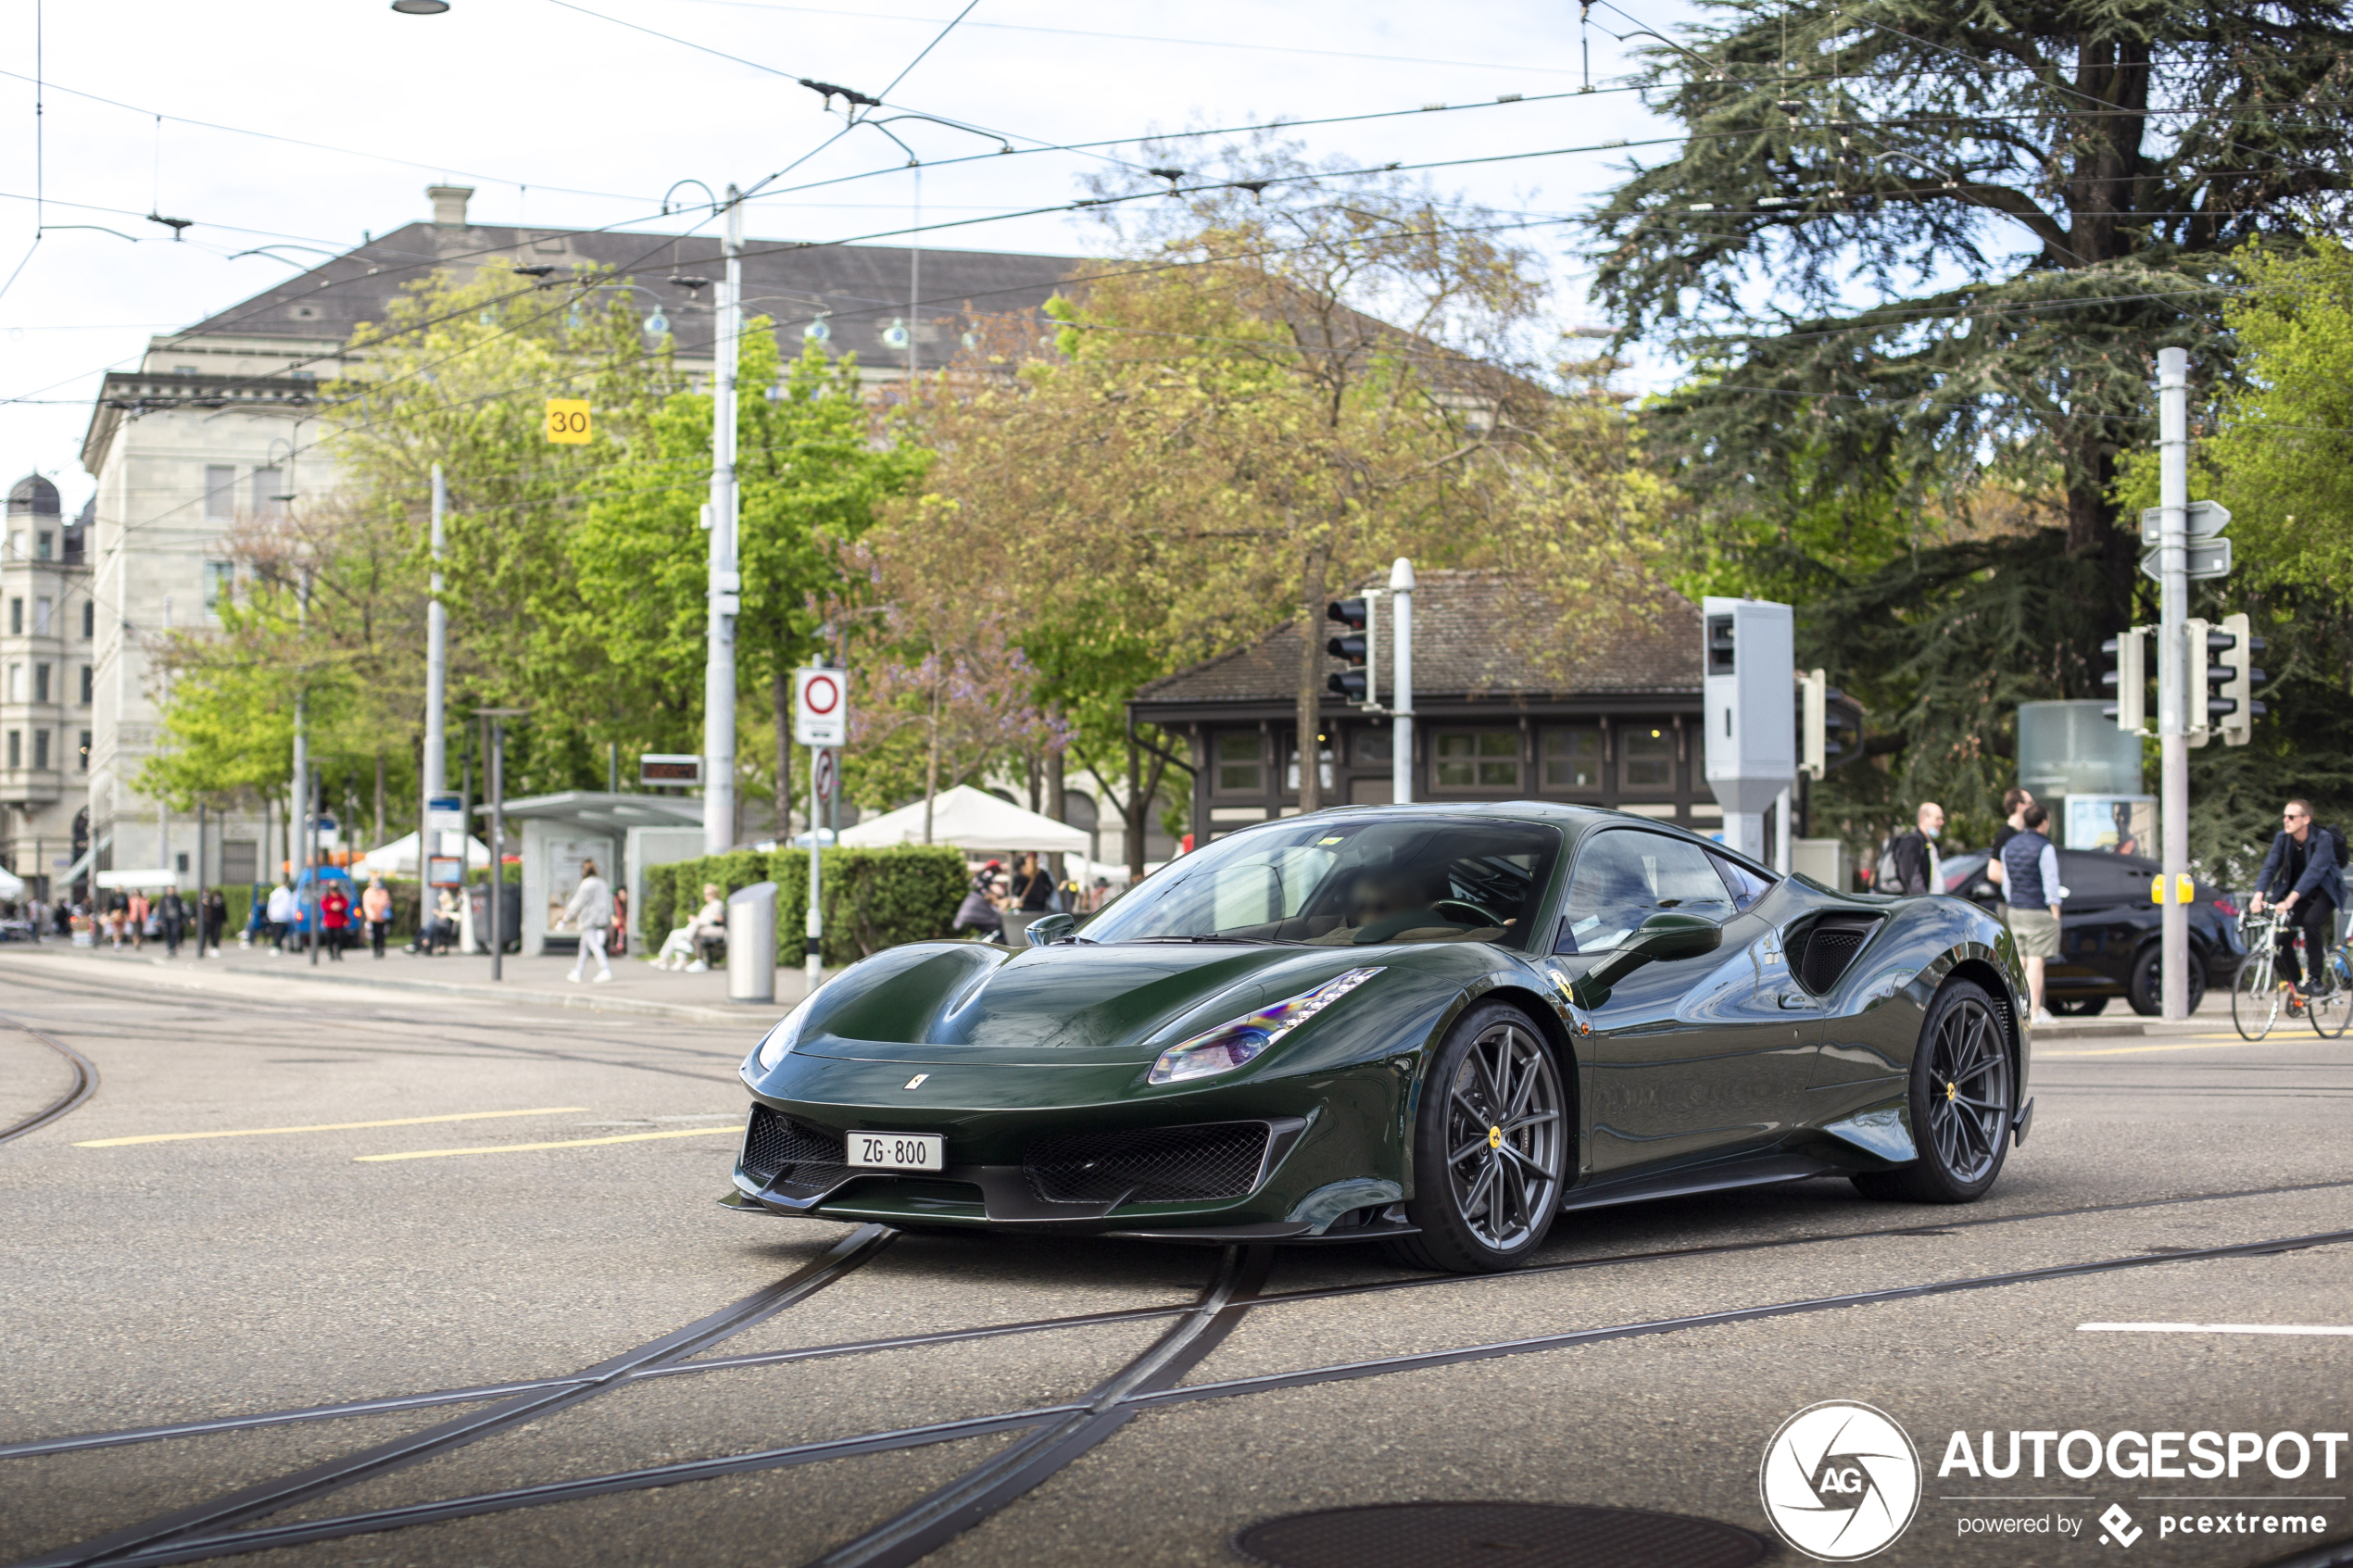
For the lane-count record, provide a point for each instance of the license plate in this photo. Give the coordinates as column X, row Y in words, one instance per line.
column 898, row 1151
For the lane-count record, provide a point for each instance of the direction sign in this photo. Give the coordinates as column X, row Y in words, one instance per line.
column 828, row 776
column 821, row 707
column 2202, row 520
column 2207, row 558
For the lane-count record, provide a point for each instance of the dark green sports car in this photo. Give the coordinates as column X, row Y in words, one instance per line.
column 1437, row 1025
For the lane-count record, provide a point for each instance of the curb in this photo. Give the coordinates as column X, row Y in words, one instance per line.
column 588, row 1001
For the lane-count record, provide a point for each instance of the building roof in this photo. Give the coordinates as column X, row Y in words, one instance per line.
column 1470, row 636
column 32, row 496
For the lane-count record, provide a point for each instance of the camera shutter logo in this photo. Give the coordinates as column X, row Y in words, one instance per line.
column 1839, row 1481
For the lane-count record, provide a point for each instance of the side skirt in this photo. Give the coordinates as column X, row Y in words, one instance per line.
column 1757, row 1170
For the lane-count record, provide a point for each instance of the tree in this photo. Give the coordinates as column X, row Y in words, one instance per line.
column 1905, row 240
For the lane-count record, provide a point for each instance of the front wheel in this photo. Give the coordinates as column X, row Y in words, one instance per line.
column 1962, row 1094
column 2255, row 999
column 1490, row 1147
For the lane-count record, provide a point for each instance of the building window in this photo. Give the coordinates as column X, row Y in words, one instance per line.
column 87, row 685
column 41, row 607
column 1478, row 759
column 1646, row 758
column 1323, row 769
column 90, row 622
column 240, row 859
column 16, row 748
column 16, row 617
column 1572, row 759
column 40, row 749
column 85, row 763
column 40, row 682
column 268, row 486
column 220, row 585
column 45, row 545
column 16, row 683
column 1372, row 748
column 1240, row 764
column 220, row 493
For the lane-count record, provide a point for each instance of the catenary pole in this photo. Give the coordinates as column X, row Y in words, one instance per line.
column 2173, row 667
column 1400, row 761
column 437, row 667
column 726, row 584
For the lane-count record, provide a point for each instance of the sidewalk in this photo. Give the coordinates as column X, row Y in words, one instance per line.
column 2119, row 1019
column 636, row 986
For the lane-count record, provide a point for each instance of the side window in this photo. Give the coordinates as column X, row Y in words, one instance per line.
column 1745, row 885
column 1625, row 876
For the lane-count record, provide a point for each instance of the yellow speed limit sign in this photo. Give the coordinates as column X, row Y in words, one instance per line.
column 567, row 421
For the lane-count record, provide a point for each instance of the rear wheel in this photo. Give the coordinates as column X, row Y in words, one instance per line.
column 2147, row 991
column 1962, row 1091
column 2079, row 1007
column 2331, row 1009
column 2255, row 997
column 1490, row 1147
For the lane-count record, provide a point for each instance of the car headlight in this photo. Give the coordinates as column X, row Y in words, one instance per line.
column 787, row 1032
column 1231, row 1044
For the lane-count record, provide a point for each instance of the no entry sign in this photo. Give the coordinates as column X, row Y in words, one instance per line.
column 821, row 707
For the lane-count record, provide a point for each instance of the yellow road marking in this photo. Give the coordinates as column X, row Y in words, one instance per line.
column 564, row 1143
column 2203, row 1043
column 335, row 1126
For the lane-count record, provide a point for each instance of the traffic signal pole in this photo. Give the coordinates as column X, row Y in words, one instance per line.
column 1400, row 761
column 2173, row 693
column 725, row 588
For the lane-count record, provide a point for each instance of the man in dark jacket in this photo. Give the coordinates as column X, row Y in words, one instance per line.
column 2301, row 872
column 1916, row 866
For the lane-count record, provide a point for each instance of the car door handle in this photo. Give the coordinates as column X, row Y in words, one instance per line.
column 1794, row 1001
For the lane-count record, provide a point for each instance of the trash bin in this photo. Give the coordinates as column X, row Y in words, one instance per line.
column 751, row 943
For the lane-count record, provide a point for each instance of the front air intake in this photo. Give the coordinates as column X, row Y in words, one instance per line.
column 1161, row 1165
column 790, row 1156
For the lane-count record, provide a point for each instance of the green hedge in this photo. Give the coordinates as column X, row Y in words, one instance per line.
column 874, row 898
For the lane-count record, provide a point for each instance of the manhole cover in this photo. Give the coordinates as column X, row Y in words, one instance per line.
column 1497, row 1535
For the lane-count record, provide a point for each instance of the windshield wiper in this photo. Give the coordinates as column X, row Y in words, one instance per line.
column 1213, row 936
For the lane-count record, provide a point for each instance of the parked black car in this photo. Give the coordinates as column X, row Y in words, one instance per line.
column 2108, row 930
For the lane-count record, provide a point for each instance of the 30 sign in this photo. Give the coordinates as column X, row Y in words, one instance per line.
column 567, row 421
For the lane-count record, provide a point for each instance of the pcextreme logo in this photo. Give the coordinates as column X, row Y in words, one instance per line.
column 1839, row 1481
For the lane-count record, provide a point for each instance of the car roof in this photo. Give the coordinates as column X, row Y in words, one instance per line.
column 1578, row 820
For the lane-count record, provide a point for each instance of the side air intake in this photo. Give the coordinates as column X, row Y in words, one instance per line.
column 1824, row 950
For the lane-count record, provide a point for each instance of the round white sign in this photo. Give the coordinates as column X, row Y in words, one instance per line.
column 1839, row 1481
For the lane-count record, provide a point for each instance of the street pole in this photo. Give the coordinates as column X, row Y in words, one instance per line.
column 496, row 765
column 726, row 584
column 436, row 669
column 310, row 856
column 2173, row 659
column 1401, row 761
column 817, row 959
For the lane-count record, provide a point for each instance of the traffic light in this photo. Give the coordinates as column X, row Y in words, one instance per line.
column 2129, row 678
column 2198, row 639
column 2233, row 649
column 1830, row 732
column 1355, row 649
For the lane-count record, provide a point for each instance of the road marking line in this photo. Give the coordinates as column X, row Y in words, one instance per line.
column 564, row 1143
column 335, row 1126
column 2204, row 1043
column 2210, row 1329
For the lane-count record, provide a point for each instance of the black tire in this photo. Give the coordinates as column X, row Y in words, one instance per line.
column 2146, row 993
column 1491, row 1142
column 2079, row 1007
column 1964, row 1100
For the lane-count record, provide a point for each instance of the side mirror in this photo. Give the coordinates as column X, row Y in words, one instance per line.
column 1050, row 928
column 1664, row 935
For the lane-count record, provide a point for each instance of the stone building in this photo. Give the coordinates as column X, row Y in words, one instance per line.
column 47, row 621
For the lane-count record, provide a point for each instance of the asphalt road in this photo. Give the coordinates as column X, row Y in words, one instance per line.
column 530, row 1225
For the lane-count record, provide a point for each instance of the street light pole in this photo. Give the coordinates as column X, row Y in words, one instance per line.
column 1401, row 738
column 436, row 668
column 2172, row 668
column 726, row 583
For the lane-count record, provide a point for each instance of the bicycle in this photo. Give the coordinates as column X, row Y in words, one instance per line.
column 2259, row 1000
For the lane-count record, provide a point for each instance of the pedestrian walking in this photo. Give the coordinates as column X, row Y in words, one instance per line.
column 2305, row 871
column 376, row 904
column 591, row 911
column 2032, row 893
column 283, row 910
column 2015, row 800
column 171, row 916
column 1911, row 866
column 135, row 913
column 334, row 919
column 212, row 919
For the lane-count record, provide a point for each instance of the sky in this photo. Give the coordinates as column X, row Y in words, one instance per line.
column 310, row 123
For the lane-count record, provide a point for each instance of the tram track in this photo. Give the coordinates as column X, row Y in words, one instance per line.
column 1061, row 1433
column 85, row 1083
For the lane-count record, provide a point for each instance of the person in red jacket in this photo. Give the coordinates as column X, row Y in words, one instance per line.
column 334, row 919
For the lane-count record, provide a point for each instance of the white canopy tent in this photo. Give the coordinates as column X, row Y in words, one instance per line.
column 399, row 858
column 12, row 886
column 969, row 818
column 154, row 876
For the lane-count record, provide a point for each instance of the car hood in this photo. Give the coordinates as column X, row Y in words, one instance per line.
column 1070, row 1004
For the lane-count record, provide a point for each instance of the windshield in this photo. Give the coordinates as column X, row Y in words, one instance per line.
column 1348, row 881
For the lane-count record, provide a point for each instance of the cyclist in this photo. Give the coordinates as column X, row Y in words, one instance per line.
column 2303, row 863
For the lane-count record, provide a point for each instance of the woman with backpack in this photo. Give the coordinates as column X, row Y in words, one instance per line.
column 2305, row 869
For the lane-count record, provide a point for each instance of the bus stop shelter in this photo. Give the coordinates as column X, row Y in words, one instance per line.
column 624, row 834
